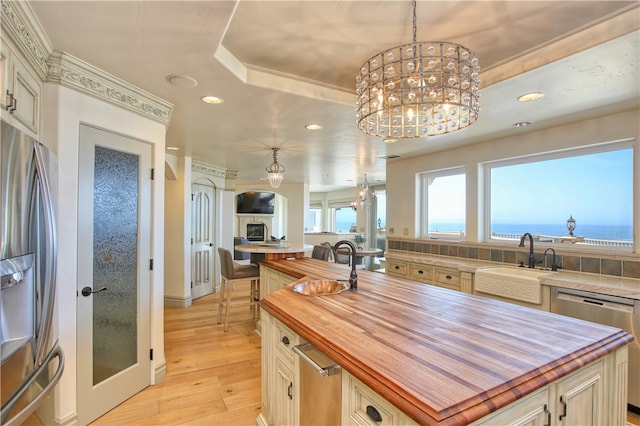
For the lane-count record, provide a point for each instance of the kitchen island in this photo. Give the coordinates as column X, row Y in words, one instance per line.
column 445, row 357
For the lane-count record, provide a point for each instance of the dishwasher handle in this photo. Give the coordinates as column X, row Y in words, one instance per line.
column 323, row 371
column 596, row 302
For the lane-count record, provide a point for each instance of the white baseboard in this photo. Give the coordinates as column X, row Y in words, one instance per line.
column 177, row 302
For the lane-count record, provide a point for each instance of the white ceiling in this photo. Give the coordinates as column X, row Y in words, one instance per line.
column 280, row 65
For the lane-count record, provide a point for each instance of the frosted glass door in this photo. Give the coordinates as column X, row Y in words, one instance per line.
column 114, row 206
column 115, row 262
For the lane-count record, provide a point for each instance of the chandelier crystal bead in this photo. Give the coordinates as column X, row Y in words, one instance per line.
column 402, row 91
column 275, row 172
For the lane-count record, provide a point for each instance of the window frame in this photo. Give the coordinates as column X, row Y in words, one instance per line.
column 424, row 202
column 598, row 148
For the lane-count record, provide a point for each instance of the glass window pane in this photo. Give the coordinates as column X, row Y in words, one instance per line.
column 539, row 197
column 446, row 206
column 345, row 219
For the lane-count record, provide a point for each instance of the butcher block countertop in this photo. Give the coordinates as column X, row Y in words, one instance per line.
column 441, row 356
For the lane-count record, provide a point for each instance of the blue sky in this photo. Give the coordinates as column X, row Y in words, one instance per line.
column 594, row 188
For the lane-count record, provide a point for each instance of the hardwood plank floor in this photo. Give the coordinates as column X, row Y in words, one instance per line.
column 213, row 377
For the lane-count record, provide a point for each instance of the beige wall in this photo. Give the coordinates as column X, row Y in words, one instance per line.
column 402, row 212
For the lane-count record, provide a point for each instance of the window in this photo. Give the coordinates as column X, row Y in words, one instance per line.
column 342, row 216
column 444, row 204
column 593, row 186
column 313, row 219
column 381, row 208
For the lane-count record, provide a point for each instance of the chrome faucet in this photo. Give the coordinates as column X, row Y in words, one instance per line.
column 532, row 258
column 353, row 277
column 554, row 267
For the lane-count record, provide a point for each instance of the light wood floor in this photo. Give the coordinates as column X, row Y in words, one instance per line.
column 213, row 377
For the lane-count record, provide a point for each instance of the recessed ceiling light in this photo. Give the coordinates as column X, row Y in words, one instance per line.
column 528, row 97
column 313, row 127
column 212, row 100
column 522, row 124
column 390, row 140
column 173, row 148
column 183, row 81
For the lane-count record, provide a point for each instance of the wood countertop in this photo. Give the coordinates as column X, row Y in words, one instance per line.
column 441, row 356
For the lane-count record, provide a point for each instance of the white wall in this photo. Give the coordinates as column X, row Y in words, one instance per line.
column 63, row 111
column 177, row 230
column 297, row 196
column 402, row 216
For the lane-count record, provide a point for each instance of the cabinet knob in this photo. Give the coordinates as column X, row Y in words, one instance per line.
column 397, row 267
column 420, row 271
column 449, row 277
column 374, row 414
column 285, row 340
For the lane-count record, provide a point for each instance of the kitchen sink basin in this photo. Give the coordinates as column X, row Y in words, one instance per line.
column 319, row 287
column 511, row 282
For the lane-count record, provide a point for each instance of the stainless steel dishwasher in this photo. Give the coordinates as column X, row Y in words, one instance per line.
column 619, row 312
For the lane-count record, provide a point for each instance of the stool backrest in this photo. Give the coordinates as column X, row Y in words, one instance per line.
column 321, row 252
column 226, row 263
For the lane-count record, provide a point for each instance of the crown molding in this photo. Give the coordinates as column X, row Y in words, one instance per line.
column 69, row 71
column 213, row 171
column 23, row 28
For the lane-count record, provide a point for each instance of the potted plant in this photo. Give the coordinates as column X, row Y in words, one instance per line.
column 359, row 239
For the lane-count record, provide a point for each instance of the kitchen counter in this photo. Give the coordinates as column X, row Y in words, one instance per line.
column 605, row 284
column 440, row 356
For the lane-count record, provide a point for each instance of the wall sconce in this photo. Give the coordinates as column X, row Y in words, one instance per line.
column 571, row 225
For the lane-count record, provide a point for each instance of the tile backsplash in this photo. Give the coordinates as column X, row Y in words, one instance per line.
column 615, row 265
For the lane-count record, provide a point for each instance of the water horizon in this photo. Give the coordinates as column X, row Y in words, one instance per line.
column 598, row 232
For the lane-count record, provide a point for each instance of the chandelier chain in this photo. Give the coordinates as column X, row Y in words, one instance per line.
column 415, row 19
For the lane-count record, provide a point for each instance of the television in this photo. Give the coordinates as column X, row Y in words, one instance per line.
column 255, row 203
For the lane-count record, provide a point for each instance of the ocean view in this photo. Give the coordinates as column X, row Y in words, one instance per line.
column 600, row 232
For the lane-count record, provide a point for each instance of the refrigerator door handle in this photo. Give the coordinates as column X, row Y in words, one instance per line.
column 21, row 416
column 49, row 288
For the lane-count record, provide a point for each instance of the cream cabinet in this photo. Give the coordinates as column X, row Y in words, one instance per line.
column 362, row 406
column 20, row 92
column 272, row 280
column 577, row 399
column 440, row 276
column 280, row 381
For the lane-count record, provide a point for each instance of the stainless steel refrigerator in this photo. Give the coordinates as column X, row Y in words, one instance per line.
column 31, row 362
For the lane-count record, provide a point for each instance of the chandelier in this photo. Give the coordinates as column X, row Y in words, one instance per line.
column 275, row 172
column 418, row 89
column 365, row 195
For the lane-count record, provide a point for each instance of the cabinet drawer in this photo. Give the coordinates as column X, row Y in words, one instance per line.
column 362, row 406
column 449, row 278
column 286, row 340
column 397, row 268
column 420, row 272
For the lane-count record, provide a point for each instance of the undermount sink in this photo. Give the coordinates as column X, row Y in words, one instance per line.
column 511, row 282
column 319, row 287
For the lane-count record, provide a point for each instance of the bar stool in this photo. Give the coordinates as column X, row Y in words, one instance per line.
column 232, row 275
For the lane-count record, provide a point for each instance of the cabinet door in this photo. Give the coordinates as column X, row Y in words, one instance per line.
column 579, row 397
column 4, row 74
column 26, row 91
column 283, row 412
column 532, row 410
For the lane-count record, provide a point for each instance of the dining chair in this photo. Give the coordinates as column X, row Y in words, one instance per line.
column 231, row 275
column 321, row 252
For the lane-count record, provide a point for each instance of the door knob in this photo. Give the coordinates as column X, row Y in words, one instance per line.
column 88, row 291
